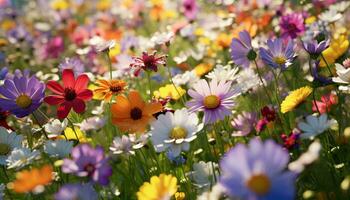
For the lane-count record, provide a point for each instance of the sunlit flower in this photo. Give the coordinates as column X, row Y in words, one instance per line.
column 203, row 68
column 122, row 145
column 105, row 45
column 315, row 48
column 56, row 127
column 223, row 73
column 76, row 191
column 132, row 113
column 74, row 134
column 169, row 91
column 343, row 74
column 105, row 89
column 295, row 98
column 314, row 126
column 8, row 142
column 242, row 51
column 32, row 180
column 160, row 187
column 58, row 148
column 257, row 172
column 21, row 157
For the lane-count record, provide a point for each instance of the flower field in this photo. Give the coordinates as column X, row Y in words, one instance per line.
column 174, row 99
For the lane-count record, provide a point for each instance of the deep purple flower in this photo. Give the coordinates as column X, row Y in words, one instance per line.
column 3, row 73
column 190, row 8
column 244, row 123
column 242, row 52
column 314, row 48
column 21, row 94
column 292, row 25
column 76, row 191
column 74, row 64
column 257, row 171
column 147, row 62
column 318, row 79
column 88, row 161
column 278, row 54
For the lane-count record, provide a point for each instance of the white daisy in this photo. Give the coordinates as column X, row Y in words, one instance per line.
column 122, row 145
column 188, row 78
column 58, row 148
column 175, row 131
column 223, row 73
column 8, row 142
column 56, row 127
column 343, row 77
column 314, row 126
column 21, row 157
column 92, row 123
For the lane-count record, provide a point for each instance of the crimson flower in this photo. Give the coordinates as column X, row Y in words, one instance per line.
column 73, row 94
column 148, row 62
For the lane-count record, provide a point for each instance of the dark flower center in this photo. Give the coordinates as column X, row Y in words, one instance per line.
column 136, row 113
column 69, row 94
column 291, row 27
column 89, row 168
column 251, row 55
column 149, row 61
column 116, row 88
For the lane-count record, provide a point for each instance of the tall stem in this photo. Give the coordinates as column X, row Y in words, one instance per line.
column 262, row 82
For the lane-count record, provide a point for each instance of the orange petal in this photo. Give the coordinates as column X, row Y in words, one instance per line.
column 135, row 99
column 152, row 108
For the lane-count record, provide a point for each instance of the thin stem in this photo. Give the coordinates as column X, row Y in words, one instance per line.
column 172, row 82
column 262, row 82
column 325, row 61
column 41, row 127
column 73, row 128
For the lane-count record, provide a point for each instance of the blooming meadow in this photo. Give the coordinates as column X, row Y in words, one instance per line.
column 165, row 99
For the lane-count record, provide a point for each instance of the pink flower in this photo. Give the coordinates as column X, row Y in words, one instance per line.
column 325, row 104
column 292, row 25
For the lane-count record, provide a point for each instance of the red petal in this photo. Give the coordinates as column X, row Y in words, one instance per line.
column 55, row 87
column 63, row 110
column 85, row 95
column 54, row 99
column 78, row 105
column 68, row 78
column 81, row 82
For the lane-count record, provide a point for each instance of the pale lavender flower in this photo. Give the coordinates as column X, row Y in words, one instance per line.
column 244, row 123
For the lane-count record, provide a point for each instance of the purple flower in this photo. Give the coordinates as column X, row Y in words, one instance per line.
column 76, row 191
column 215, row 99
column 318, row 79
column 21, row 94
column 278, row 54
column 314, row 48
column 257, row 171
column 244, row 123
column 74, row 64
column 190, row 9
column 241, row 49
column 88, row 161
column 292, row 25
column 3, row 73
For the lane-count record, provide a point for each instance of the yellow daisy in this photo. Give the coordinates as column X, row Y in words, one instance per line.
column 169, row 91
column 295, row 98
column 162, row 187
column 203, row 68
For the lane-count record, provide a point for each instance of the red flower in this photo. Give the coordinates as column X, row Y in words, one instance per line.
column 147, row 62
column 71, row 95
column 325, row 104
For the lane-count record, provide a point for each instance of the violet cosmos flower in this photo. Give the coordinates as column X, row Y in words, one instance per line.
column 241, row 49
column 292, row 25
column 278, row 54
column 88, row 162
column 74, row 64
column 190, row 8
column 244, row 123
column 215, row 99
column 315, row 48
column 257, row 171
column 22, row 94
column 76, row 191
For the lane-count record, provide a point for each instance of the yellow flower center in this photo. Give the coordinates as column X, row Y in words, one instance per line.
column 178, row 133
column 23, row 101
column 211, row 101
column 4, row 149
column 280, row 60
column 259, row 184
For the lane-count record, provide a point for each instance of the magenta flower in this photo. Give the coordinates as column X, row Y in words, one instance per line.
column 147, row 62
column 53, row 48
column 190, row 9
column 215, row 99
column 292, row 25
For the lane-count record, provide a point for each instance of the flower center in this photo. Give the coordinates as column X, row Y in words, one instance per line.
column 23, row 101
column 280, row 60
column 251, row 55
column 4, row 149
column 115, row 88
column 69, row 94
column 89, row 168
column 259, row 184
column 178, row 133
column 211, row 101
column 136, row 113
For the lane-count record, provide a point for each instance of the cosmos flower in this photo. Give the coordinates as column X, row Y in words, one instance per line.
column 88, row 162
column 21, row 94
column 295, row 98
column 215, row 99
column 74, row 64
column 175, row 131
column 132, row 113
column 257, row 172
column 105, row 89
column 292, row 25
column 76, row 191
column 278, row 55
column 244, row 123
column 73, row 94
column 242, row 52
column 58, row 148
column 314, row 126
column 147, row 62
column 160, row 187
column 21, row 157
column 32, row 180
column 315, row 48
column 8, row 142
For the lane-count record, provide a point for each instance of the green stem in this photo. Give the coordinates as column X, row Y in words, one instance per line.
column 262, row 82
column 172, row 82
column 41, row 127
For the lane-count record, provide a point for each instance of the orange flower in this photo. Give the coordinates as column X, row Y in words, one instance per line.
column 133, row 114
column 107, row 88
column 32, row 180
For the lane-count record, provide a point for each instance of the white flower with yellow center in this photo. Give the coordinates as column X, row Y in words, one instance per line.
column 175, row 131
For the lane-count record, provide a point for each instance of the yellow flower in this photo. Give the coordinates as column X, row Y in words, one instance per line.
column 203, row 68
column 310, row 20
column 224, row 40
column 162, row 187
column 114, row 51
column 295, row 98
column 105, row 89
column 169, row 91
column 70, row 134
column 7, row 24
column 59, row 4
column 180, row 195
column 337, row 47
